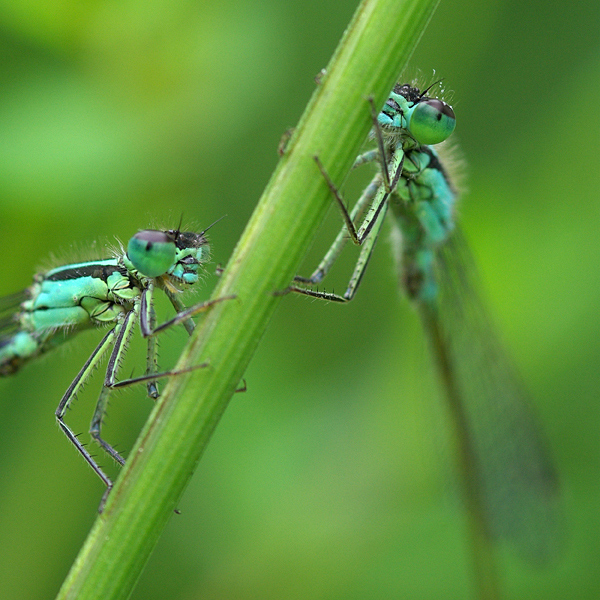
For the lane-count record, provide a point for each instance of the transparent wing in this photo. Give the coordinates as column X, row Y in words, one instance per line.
column 513, row 468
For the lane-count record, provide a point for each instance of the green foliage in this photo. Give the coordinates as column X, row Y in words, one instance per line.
column 265, row 260
column 327, row 478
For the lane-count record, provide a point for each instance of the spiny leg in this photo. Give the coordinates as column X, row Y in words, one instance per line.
column 385, row 183
column 359, row 269
column 375, row 196
column 391, row 171
column 125, row 330
column 178, row 305
column 150, row 331
column 183, row 314
column 152, row 356
column 72, row 391
column 123, row 333
column 336, row 248
column 382, row 155
column 365, row 253
column 114, row 361
column 378, row 153
column 144, row 309
column 377, row 200
column 118, row 337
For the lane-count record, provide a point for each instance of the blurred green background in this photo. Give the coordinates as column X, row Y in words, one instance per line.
column 330, row 478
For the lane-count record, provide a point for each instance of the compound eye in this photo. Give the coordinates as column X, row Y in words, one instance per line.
column 432, row 121
column 151, row 252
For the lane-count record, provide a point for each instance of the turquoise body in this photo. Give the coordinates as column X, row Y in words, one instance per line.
column 70, row 298
column 511, row 488
column 115, row 293
column 64, row 301
column 423, row 200
column 423, row 204
column 510, row 483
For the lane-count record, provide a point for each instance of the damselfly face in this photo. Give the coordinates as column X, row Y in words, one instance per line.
column 191, row 251
column 409, row 111
column 175, row 253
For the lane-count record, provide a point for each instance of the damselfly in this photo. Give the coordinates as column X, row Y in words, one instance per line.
column 113, row 292
column 511, row 486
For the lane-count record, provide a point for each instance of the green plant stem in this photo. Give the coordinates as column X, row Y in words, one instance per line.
column 373, row 51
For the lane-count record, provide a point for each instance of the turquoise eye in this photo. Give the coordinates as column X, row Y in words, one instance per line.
column 151, row 252
column 432, row 121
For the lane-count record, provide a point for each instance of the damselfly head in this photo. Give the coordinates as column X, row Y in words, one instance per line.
column 409, row 110
column 191, row 250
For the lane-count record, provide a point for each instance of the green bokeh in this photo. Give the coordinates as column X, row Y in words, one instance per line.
column 330, row 477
